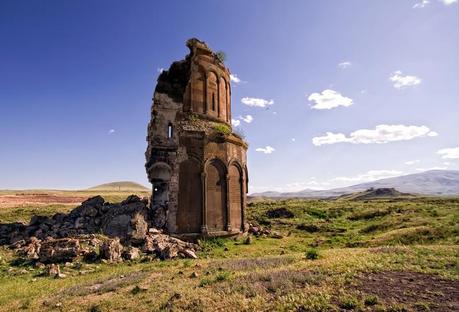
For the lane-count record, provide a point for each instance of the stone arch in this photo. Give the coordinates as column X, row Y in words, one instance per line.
column 212, row 92
column 160, row 175
column 216, row 195
column 235, row 174
column 189, row 214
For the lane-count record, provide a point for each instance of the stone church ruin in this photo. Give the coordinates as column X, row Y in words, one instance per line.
column 196, row 164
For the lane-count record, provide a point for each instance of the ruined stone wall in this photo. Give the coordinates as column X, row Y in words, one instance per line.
column 198, row 172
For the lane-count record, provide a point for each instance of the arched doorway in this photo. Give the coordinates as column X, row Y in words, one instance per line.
column 216, row 196
column 189, row 214
column 160, row 176
column 235, row 196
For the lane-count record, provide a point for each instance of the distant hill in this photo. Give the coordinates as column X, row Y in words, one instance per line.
column 433, row 182
column 379, row 193
column 119, row 186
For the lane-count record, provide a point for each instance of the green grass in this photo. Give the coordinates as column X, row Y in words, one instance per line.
column 307, row 270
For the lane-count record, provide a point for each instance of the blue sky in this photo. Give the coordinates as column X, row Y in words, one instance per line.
column 350, row 90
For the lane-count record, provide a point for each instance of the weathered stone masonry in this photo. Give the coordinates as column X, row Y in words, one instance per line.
column 196, row 164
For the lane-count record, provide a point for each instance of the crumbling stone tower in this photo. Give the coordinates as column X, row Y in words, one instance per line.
column 196, row 164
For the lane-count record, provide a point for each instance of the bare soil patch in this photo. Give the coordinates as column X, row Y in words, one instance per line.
column 417, row 291
column 22, row 199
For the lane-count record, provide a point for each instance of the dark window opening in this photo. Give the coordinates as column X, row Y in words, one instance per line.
column 213, row 101
column 169, row 131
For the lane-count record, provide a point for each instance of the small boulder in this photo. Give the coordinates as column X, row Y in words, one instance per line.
column 111, row 250
column 59, row 250
column 52, row 270
column 131, row 253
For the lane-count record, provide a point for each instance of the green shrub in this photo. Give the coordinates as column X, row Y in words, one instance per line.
column 317, row 213
column 312, row 254
column 211, row 243
column 371, row 300
column 222, row 276
column 222, row 128
column 348, row 303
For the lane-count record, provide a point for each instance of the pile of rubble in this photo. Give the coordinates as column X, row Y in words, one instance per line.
column 258, row 230
column 95, row 230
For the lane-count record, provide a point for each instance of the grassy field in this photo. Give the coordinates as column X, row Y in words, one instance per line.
column 387, row 255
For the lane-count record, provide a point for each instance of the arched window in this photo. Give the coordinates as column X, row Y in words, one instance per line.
column 213, row 101
column 169, row 131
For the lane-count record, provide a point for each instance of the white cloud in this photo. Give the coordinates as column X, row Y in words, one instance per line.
column 235, row 122
column 446, row 163
column 256, row 102
column 293, row 139
column 111, row 131
column 400, row 81
column 247, row 118
column 381, row 134
column 369, row 176
column 344, row 65
column 267, row 149
column 421, row 4
column 234, row 78
column 412, row 162
column 449, row 153
column 448, row 2
column 329, row 99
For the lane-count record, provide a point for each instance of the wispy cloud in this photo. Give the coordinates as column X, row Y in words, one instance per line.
column 448, row 2
column 235, row 122
column 329, row 99
column 370, row 175
column 234, row 78
column 403, row 81
column 421, row 4
column 256, row 102
column 267, row 149
column 381, row 134
column 111, row 131
column 344, row 65
column 412, row 162
column 246, row 118
column 449, row 153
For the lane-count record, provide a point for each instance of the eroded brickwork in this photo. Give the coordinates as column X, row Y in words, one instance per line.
column 196, row 164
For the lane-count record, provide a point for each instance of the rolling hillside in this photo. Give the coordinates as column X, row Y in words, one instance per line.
column 119, row 186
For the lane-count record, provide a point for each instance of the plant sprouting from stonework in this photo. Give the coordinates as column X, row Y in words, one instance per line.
column 221, row 56
column 222, row 128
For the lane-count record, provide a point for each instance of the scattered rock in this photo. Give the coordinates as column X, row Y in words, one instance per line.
column 248, row 240
column 59, row 250
column 65, row 237
column 194, row 275
column 111, row 250
column 276, row 235
column 131, row 253
column 52, row 270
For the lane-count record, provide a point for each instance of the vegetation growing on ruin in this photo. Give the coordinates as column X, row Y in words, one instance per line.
column 222, row 128
column 221, row 56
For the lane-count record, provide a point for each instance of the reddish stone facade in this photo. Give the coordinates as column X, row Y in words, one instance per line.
column 196, row 164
